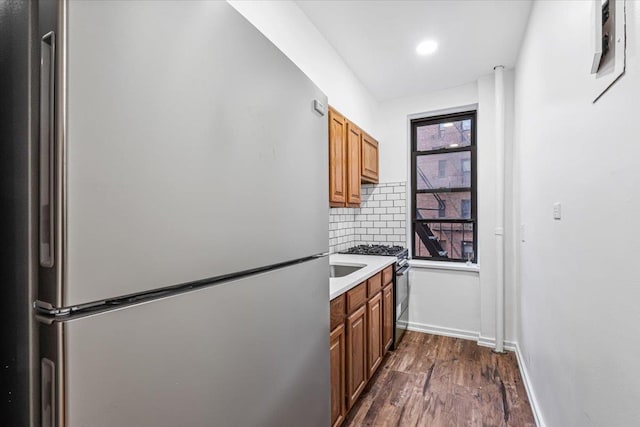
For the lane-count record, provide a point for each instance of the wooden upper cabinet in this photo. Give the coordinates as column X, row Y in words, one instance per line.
column 353, row 158
column 387, row 316
column 337, row 159
column 374, row 331
column 369, row 159
column 354, row 134
column 338, row 375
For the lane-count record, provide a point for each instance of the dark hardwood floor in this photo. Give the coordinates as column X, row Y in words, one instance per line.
column 439, row 381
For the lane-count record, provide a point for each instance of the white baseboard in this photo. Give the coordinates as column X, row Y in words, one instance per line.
column 440, row 330
column 491, row 342
column 459, row 333
column 524, row 373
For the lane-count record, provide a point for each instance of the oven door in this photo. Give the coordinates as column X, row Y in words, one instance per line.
column 402, row 302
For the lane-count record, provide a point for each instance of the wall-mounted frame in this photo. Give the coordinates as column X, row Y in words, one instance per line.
column 609, row 44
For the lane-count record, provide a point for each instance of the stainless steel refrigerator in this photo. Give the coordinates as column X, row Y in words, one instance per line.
column 181, row 220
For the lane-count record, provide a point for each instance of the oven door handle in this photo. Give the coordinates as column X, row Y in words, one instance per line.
column 403, row 270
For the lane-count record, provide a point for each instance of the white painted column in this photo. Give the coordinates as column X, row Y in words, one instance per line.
column 499, row 233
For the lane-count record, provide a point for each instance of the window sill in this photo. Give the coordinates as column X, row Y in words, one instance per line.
column 443, row 265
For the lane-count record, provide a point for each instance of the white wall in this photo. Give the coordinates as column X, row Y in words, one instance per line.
column 447, row 302
column 450, row 300
column 580, row 288
column 284, row 23
column 393, row 131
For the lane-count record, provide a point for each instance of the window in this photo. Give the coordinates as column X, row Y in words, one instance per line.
column 443, row 174
column 442, row 168
column 465, row 208
column 465, row 168
column 467, row 250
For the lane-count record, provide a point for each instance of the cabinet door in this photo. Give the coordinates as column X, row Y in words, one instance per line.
column 337, row 159
column 338, row 377
column 374, row 334
column 369, row 154
column 353, row 164
column 387, row 316
column 356, row 355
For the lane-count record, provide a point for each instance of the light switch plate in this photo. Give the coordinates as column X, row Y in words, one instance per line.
column 557, row 210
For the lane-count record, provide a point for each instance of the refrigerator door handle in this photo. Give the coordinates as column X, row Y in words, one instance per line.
column 47, row 149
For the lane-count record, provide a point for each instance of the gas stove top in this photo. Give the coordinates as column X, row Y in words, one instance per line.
column 381, row 250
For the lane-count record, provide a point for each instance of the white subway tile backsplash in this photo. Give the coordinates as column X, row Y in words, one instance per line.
column 380, row 219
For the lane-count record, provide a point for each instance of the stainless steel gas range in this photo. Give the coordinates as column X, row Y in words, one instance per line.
column 400, row 280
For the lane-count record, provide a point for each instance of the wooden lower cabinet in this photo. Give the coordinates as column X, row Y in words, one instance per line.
column 361, row 322
column 356, row 354
column 387, row 317
column 337, row 358
column 374, row 334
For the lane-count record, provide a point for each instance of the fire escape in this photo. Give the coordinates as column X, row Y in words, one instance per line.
column 427, row 237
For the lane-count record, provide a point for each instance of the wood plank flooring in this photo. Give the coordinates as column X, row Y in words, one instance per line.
column 439, row 381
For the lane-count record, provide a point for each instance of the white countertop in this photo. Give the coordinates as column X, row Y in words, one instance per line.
column 373, row 264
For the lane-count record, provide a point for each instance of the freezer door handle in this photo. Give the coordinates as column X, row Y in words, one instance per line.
column 47, row 149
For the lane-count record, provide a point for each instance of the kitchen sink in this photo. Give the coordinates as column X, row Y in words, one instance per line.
column 341, row 270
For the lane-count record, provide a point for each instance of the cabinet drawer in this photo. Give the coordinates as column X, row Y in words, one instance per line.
column 356, row 297
column 374, row 284
column 387, row 275
column 338, row 311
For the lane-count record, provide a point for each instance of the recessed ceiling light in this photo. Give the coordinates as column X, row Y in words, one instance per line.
column 427, row 47
column 447, row 125
column 454, row 145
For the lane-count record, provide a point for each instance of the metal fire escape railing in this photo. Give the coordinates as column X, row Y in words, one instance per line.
column 427, row 237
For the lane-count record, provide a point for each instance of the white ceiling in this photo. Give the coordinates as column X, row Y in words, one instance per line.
column 377, row 40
